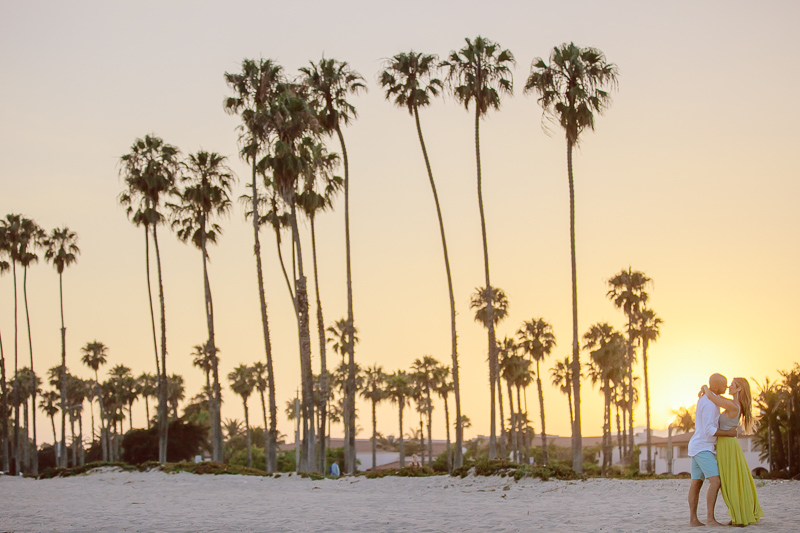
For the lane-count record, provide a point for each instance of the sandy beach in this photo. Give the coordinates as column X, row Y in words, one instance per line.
column 112, row 500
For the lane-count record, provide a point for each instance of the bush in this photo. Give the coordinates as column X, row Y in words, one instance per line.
column 185, row 440
column 239, row 458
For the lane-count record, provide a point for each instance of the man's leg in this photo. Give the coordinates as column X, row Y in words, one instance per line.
column 711, row 500
column 694, row 497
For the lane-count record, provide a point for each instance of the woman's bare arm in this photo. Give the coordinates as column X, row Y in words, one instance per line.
column 720, row 401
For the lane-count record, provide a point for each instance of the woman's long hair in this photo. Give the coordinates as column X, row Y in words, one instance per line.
column 746, row 403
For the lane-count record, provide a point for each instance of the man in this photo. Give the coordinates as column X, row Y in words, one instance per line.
column 335, row 469
column 702, row 450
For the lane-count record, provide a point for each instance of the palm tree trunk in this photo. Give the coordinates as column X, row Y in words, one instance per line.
column 569, row 401
column 374, row 437
column 308, row 452
column 422, row 440
column 350, row 389
column 53, row 423
column 271, row 454
column 541, row 412
column 264, row 412
column 24, row 441
column 35, row 455
column 81, row 451
column 513, row 439
column 62, row 461
column 163, row 422
column 323, row 361
column 401, row 443
column 523, row 429
column 577, row 440
column 625, row 432
column 620, row 437
column 647, row 407
column 147, row 410
column 153, row 326
column 502, row 443
column 247, row 431
column 458, row 459
column 606, row 425
column 17, row 450
column 4, row 409
column 215, row 409
column 430, row 424
column 493, row 370
column 447, row 432
column 630, row 387
column 103, row 432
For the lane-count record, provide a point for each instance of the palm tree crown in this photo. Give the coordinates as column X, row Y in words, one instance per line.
column 480, row 72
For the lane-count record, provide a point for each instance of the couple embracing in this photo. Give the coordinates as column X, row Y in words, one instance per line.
column 716, row 453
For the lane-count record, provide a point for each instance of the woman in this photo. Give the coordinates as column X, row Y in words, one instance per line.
column 738, row 488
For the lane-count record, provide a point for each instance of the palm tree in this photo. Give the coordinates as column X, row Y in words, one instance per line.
column 149, row 384
column 330, row 82
column 627, row 291
column 647, row 330
column 537, row 340
column 490, row 315
column 205, row 197
column 75, row 397
column 479, row 73
column 176, row 391
column 509, row 367
column 444, row 387
column 426, row 375
column 607, row 361
column 399, row 389
column 49, row 405
column 31, row 238
column 374, row 392
column 571, row 89
column 5, row 250
column 95, row 355
column 243, row 381
column 684, row 419
column 410, row 79
column 254, row 89
column 259, row 370
column 62, row 251
column 561, row 375
column 150, row 170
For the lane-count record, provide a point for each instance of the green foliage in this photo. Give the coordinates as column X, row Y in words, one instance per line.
column 286, row 461
column 239, row 458
column 406, row 471
column 185, row 440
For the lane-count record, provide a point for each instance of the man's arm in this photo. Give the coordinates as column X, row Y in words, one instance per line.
column 710, row 424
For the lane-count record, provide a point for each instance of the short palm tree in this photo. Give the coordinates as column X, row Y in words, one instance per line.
column 150, row 171
column 490, row 315
column 374, row 383
column 479, row 74
column 426, row 373
column 537, row 341
column 149, row 384
column 62, row 251
column 243, row 382
column 253, row 89
column 627, row 291
column 400, row 390
column 259, row 370
column 49, row 404
column 647, row 330
column 444, row 387
column 207, row 184
column 410, row 80
column 95, row 355
column 330, row 81
column 561, row 375
column 571, row 89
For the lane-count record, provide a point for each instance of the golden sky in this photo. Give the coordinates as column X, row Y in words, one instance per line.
column 689, row 177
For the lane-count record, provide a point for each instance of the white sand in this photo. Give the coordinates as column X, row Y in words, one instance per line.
column 154, row 501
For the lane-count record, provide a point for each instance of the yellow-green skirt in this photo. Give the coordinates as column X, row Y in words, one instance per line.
column 738, row 488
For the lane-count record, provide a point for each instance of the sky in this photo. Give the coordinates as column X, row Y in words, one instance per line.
column 688, row 177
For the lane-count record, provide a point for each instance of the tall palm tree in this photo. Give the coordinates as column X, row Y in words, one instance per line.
column 95, row 355
column 320, row 189
column 254, row 89
column 205, row 198
column 490, row 315
column 480, row 73
column 62, row 251
column 150, row 171
column 606, row 360
column 243, row 381
column 374, row 391
column 627, row 291
column 5, row 251
column 647, row 330
column 571, row 89
column 49, row 405
column 561, row 375
column 410, row 80
column 330, row 81
column 399, row 389
column 32, row 237
column 537, row 341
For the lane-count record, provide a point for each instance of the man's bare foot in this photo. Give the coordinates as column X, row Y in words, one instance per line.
column 713, row 523
column 694, row 522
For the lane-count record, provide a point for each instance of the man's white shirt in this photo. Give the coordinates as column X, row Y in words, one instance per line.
column 706, row 424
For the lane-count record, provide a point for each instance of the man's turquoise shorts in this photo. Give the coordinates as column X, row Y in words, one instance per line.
column 704, row 465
